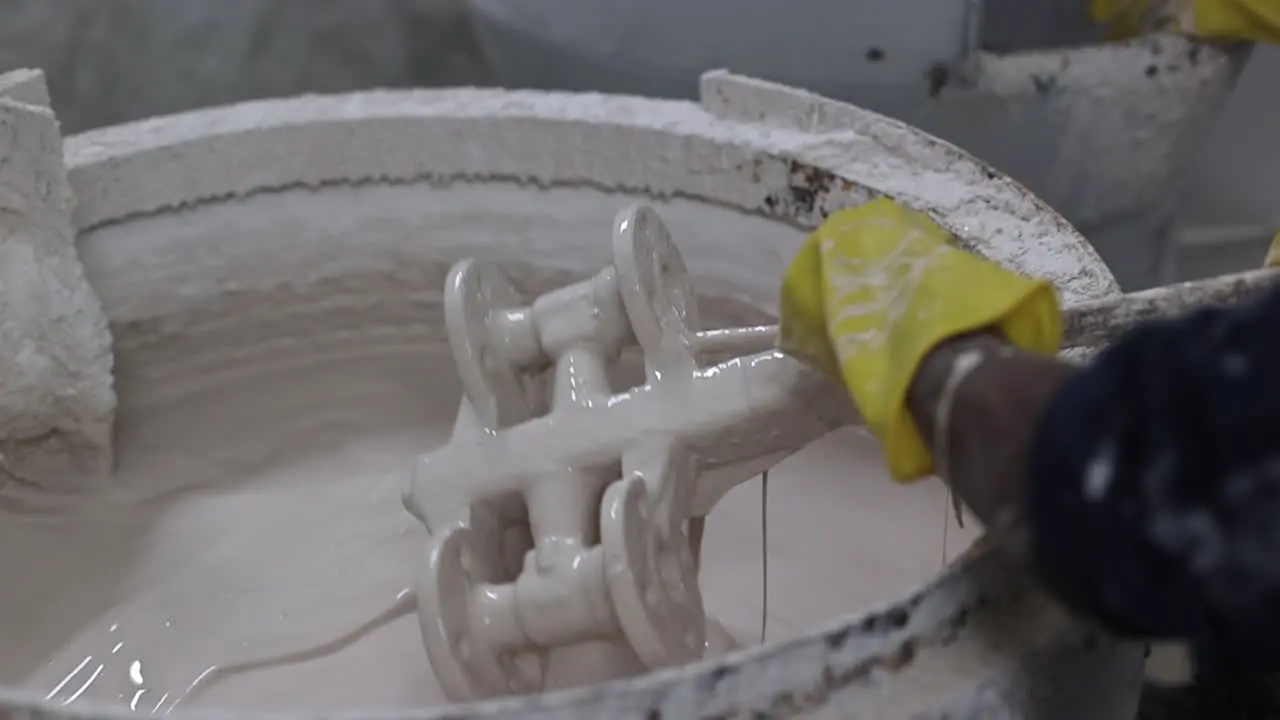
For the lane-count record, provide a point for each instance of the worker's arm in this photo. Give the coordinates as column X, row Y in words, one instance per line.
column 1154, row 483
column 975, row 399
column 1151, row 478
column 1149, row 481
column 1144, row 488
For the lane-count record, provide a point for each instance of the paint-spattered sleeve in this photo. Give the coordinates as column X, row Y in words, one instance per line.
column 1155, row 484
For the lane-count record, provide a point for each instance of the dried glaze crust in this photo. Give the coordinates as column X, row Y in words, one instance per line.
column 976, row 642
column 57, row 405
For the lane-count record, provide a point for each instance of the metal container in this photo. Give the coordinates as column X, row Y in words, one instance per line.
column 224, row 196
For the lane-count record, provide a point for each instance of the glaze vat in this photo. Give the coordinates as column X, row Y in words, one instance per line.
column 374, row 195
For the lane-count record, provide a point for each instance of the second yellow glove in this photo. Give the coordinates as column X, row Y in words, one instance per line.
column 1256, row 20
column 1273, row 253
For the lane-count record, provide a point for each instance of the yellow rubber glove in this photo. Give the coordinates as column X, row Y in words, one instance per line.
column 878, row 286
column 1273, row 253
column 1256, row 20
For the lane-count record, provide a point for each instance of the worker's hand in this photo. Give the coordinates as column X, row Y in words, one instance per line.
column 876, row 288
column 1256, row 20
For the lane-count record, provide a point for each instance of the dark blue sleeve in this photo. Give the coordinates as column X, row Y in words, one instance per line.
column 1154, row 494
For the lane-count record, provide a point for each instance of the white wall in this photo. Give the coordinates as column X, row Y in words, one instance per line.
column 1236, row 182
column 110, row 62
column 1238, row 178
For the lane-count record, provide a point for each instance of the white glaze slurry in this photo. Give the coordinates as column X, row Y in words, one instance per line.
column 262, row 515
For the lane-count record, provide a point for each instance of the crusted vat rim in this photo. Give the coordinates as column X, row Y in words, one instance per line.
column 756, row 146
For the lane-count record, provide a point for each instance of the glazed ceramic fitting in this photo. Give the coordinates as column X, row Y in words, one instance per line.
column 559, row 514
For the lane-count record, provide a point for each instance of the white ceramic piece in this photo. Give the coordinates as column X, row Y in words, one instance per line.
column 459, row 635
column 622, row 569
column 475, row 305
column 649, row 561
column 656, row 292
